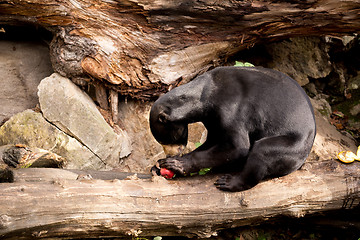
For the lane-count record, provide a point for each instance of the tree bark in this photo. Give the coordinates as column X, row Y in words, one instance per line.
column 142, row 48
column 51, row 203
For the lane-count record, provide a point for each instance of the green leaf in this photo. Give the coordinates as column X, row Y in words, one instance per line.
column 238, row 64
column 157, row 238
column 26, row 166
column 204, row 171
column 198, row 144
column 247, row 64
column 243, row 64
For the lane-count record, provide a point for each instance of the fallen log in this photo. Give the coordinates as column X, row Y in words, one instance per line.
column 56, row 203
column 143, row 48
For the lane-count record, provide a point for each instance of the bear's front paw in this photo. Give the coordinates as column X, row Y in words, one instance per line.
column 173, row 164
column 231, row 183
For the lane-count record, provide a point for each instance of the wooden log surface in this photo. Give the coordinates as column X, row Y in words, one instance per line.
column 143, row 48
column 49, row 203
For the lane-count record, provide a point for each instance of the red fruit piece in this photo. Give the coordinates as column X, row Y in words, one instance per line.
column 166, row 173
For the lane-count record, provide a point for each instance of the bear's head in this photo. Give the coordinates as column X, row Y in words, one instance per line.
column 171, row 134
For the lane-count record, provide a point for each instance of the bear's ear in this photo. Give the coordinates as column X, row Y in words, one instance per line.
column 163, row 117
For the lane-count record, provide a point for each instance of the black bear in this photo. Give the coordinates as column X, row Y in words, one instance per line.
column 260, row 125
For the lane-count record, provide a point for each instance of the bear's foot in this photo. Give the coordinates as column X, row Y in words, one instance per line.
column 231, row 183
column 178, row 166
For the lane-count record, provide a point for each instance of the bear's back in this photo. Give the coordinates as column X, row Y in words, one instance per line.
column 271, row 98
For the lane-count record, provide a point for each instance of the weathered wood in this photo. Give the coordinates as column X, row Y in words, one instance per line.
column 53, row 203
column 101, row 96
column 142, row 48
column 22, row 156
column 114, row 103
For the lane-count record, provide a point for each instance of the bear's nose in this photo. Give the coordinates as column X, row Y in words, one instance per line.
column 173, row 150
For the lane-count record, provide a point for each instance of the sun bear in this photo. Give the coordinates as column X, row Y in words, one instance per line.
column 260, row 125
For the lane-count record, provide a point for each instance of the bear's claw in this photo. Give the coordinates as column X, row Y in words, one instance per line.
column 231, row 183
column 172, row 164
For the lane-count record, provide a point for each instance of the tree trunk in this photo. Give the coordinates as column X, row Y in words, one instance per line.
column 142, row 48
column 50, row 203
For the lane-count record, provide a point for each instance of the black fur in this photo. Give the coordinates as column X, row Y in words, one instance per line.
column 260, row 125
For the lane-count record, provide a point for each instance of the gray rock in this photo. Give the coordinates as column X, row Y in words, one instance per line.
column 322, row 106
column 72, row 111
column 354, row 82
column 300, row 58
column 31, row 129
column 355, row 110
column 22, row 66
column 328, row 141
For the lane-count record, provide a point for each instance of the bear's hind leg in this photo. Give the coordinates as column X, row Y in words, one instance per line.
column 269, row 157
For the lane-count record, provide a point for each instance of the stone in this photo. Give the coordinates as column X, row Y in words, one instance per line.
column 354, row 82
column 31, row 129
column 322, row 106
column 22, row 66
column 70, row 109
column 328, row 141
column 355, row 110
column 301, row 58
